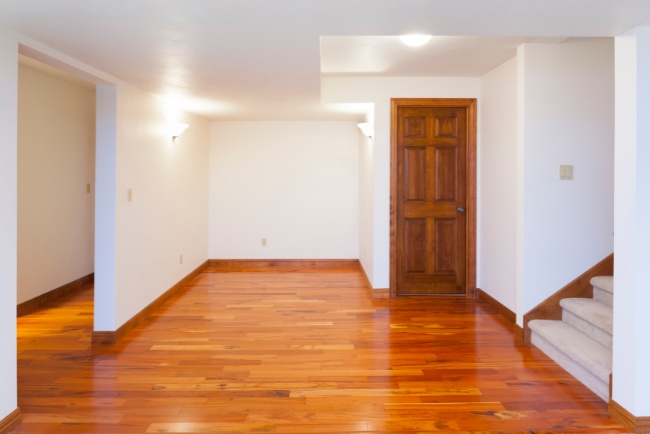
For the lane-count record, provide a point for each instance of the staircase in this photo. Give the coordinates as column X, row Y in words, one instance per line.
column 582, row 341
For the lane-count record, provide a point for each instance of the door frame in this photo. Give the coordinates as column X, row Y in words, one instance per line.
column 470, row 105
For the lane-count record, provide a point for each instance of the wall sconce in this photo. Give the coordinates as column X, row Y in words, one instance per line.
column 176, row 129
column 367, row 129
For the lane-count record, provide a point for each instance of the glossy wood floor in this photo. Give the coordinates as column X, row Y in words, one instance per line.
column 295, row 352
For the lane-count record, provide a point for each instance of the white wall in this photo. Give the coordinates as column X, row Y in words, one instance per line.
column 380, row 90
column 138, row 244
column 168, row 214
column 56, row 160
column 144, row 238
column 8, row 219
column 294, row 183
column 631, row 377
column 497, row 185
column 567, row 110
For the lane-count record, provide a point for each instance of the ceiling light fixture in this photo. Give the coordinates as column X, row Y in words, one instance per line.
column 415, row 40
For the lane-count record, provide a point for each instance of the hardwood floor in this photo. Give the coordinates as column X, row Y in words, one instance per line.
column 294, row 352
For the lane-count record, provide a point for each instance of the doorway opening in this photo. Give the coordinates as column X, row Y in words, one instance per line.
column 56, row 178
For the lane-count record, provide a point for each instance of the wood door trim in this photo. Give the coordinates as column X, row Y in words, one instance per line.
column 470, row 105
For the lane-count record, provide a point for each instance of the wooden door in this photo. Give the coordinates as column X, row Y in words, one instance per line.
column 431, row 200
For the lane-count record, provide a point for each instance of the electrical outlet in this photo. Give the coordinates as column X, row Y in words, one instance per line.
column 130, row 194
column 264, row 242
column 181, row 259
column 87, row 188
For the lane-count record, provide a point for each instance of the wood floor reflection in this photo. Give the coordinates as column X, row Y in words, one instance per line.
column 294, row 352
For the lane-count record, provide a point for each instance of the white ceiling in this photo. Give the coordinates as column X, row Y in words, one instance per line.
column 443, row 56
column 263, row 59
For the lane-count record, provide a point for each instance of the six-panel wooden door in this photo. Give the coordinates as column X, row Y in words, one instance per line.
column 431, row 223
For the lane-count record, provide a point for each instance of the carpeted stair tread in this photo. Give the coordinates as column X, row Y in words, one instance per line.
column 582, row 342
column 590, row 317
column 606, row 283
column 603, row 289
column 583, row 350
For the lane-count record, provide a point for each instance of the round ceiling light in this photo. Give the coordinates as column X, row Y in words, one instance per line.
column 415, row 40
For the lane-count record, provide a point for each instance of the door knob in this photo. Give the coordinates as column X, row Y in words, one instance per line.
column 460, row 209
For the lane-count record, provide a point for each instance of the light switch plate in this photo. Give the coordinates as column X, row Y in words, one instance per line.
column 566, row 171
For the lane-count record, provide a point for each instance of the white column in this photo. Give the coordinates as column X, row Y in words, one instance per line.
column 631, row 376
column 520, row 302
column 105, row 208
column 8, row 219
column 381, row 195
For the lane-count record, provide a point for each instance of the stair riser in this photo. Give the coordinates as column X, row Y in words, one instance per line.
column 595, row 333
column 597, row 386
column 603, row 296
